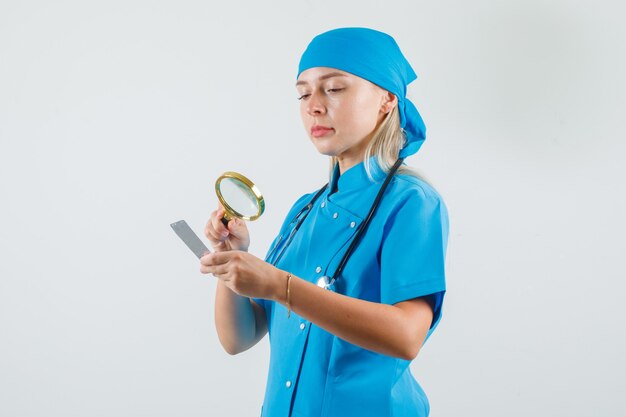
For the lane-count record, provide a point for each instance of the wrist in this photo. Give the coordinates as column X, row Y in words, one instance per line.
column 279, row 291
column 239, row 247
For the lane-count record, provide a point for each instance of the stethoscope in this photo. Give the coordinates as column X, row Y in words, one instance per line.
column 325, row 281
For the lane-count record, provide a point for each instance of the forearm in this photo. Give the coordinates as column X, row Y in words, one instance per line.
column 374, row 326
column 234, row 320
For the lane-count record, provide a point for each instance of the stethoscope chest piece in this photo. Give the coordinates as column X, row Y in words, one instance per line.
column 324, row 282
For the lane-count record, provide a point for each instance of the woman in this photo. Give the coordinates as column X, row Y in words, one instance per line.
column 348, row 302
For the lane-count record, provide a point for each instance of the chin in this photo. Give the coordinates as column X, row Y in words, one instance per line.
column 324, row 150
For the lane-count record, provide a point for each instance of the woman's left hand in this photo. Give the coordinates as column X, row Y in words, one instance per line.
column 243, row 273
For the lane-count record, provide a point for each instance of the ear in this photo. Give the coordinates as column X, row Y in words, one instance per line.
column 389, row 101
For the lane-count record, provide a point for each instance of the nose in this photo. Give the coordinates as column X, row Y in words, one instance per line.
column 315, row 104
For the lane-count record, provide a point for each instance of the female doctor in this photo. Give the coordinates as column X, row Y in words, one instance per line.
column 353, row 284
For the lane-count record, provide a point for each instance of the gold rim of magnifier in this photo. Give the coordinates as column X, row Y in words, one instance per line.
column 250, row 185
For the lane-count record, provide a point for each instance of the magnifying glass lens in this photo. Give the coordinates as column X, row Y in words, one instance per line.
column 239, row 196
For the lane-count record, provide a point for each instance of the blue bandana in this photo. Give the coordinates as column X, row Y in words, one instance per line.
column 376, row 57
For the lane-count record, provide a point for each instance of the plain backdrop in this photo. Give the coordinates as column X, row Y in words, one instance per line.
column 116, row 118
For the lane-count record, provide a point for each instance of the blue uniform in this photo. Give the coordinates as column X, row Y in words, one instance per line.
column 313, row 373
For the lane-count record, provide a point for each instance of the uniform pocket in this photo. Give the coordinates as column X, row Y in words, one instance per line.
column 340, row 227
column 321, row 241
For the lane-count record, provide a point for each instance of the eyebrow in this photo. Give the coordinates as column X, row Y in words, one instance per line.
column 323, row 77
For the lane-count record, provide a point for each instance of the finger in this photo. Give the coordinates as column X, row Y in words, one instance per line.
column 213, row 236
column 220, row 271
column 209, row 231
column 215, row 258
column 206, row 259
column 218, row 258
column 207, row 263
column 215, row 230
column 219, row 227
column 237, row 227
column 234, row 224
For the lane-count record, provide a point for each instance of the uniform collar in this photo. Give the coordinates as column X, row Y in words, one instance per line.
column 356, row 176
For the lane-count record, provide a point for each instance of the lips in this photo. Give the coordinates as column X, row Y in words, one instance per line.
column 318, row 130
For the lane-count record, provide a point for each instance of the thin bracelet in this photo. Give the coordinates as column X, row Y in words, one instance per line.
column 288, row 296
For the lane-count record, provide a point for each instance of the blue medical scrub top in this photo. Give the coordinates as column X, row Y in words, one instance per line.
column 313, row 373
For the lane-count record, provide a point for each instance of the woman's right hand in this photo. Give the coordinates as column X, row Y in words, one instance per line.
column 222, row 238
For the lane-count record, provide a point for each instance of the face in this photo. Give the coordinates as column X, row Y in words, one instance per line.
column 341, row 111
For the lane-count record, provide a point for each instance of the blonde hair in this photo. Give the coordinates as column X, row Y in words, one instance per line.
column 386, row 142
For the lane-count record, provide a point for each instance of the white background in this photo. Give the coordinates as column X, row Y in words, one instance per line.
column 116, row 117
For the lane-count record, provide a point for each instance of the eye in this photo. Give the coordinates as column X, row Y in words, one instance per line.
column 334, row 90
column 303, row 96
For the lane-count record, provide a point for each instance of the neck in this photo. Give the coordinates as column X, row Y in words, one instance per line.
column 345, row 163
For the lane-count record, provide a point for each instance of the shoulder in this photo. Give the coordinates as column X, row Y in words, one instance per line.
column 411, row 200
column 406, row 188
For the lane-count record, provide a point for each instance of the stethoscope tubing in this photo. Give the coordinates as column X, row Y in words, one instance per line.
column 306, row 208
column 359, row 233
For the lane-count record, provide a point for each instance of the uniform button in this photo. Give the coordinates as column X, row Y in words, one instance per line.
column 302, row 326
column 288, row 384
column 335, row 215
column 352, row 224
column 323, row 204
column 318, row 269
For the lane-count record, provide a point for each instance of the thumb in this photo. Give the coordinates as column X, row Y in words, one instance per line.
column 235, row 225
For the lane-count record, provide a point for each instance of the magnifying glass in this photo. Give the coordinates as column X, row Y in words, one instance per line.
column 239, row 196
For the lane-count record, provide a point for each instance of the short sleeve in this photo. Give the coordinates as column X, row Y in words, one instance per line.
column 413, row 251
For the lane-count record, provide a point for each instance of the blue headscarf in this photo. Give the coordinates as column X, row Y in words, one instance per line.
column 376, row 57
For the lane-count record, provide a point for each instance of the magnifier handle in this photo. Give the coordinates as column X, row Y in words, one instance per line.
column 225, row 221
